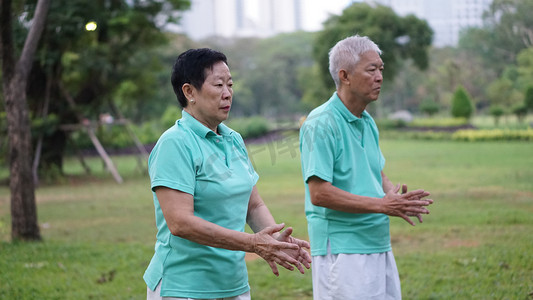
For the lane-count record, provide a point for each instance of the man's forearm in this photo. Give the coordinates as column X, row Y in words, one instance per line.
column 326, row 195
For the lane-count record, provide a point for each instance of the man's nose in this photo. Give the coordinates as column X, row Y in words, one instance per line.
column 379, row 77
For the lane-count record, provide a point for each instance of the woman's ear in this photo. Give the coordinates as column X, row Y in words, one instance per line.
column 188, row 90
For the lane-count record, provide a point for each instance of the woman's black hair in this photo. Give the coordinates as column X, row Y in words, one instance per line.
column 190, row 67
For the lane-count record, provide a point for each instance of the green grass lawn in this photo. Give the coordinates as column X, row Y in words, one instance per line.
column 476, row 243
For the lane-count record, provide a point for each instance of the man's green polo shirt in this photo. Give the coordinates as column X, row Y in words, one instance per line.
column 343, row 149
column 215, row 169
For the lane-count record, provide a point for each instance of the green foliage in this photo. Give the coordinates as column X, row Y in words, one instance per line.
column 113, row 69
column 398, row 37
column 520, row 111
column 385, row 124
column 528, row 100
column 463, row 135
column 249, row 127
column 462, row 106
column 506, row 31
column 503, row 92
column 508, row 89
column 148, row 132
column 524, row 68
column 438, row 122
column 424, row 135
column 172, row 113
column 493, row 135
column 429, row 107
column 44, row 126
column 267, row 73
column 503, row 46
column 496, row 111
column 315, row 92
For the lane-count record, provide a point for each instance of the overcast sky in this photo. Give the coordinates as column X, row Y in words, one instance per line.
column 317, row 11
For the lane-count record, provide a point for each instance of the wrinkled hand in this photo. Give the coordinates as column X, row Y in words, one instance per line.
column 301, row 254
column 417, row 215
column 406, row 204
column 275, row 251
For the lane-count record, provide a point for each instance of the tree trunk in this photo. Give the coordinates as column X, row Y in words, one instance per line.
column 15, row 78
column 23, row 208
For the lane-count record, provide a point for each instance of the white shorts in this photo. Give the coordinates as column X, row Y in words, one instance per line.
column 156, row 295
column 355, row 276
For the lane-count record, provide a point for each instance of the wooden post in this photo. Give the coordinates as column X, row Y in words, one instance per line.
column 108, row 162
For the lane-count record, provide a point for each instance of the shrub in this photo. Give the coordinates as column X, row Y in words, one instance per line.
column 520, row 111
column 438, row 122
column 148, row 132
column 528, row 100
column 249, row 127
column 171, row 114
column 462, row 104
column 428, row 135
column 493, row 135
column 384, row 124
column 496, row 111
column 429, row 107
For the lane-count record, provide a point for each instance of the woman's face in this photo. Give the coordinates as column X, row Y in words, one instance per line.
column 212, row 102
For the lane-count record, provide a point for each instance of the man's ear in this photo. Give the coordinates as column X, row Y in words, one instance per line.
column 188, row 90
column 343, row 77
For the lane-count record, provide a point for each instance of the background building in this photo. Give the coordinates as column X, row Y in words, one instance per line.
column 258, row 18
column 446, row 17
column 264, row 18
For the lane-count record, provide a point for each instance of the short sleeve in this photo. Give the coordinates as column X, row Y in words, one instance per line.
column 172, row 165
column 317, row 147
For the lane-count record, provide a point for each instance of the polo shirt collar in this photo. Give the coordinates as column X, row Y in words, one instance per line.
column 344, row 111
column 200, row 129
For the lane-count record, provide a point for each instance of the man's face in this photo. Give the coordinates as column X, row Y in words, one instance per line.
column 366, row 78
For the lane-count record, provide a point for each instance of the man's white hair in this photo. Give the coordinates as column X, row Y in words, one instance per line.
column 346, row 54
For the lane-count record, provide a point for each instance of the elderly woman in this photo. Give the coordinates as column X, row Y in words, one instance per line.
column 204, row 193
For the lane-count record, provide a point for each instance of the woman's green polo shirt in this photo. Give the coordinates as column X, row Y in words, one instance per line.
column 343, row 149
column 215, row 169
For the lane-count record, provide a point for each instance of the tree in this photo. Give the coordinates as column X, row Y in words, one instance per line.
column 112, row 69
column 502, row 92
column 399, row 37
column 462, row 104
column 528, row 99
column 496, row 112
column 15, row 74
column 267, row 72
column 429, row 107
column 520, row 111
column 524, row 69
column 507, row 29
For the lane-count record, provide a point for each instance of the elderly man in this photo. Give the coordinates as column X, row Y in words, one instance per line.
column 348, row 198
